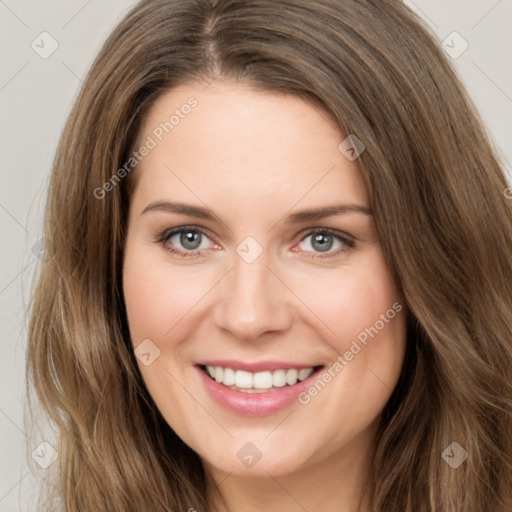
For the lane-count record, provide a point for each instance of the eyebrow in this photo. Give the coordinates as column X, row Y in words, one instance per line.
column 294, row 218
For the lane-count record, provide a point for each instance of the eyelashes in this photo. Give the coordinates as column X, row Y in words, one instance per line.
column 327, row 238
column 192, row 239
column 197, row 234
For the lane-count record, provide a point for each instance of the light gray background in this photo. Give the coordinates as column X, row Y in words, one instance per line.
column 36, row 95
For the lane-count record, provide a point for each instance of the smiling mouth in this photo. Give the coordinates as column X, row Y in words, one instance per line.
column 258, row 382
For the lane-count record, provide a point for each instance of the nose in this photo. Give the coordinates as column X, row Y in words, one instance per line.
column 253, row 302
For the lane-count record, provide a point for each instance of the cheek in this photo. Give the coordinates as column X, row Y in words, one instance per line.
column 158, row 298
column 158, row 295
column 352, row 300
column 366, row 318
column 363, row 320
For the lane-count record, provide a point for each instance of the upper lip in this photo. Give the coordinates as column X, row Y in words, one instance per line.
column 253, row 367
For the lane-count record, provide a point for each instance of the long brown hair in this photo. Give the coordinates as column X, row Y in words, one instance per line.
column 445, row 224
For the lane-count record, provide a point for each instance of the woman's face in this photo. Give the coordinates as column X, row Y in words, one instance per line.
column 252, row 254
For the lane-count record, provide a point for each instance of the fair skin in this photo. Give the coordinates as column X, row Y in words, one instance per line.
column 253, row 159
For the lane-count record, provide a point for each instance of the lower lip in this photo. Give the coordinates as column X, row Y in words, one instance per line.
column 254, row 404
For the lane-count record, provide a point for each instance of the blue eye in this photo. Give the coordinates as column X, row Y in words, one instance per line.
column 325, row 241
column 191, row 240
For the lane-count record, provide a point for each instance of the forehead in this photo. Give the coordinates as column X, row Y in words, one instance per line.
column 230, row 140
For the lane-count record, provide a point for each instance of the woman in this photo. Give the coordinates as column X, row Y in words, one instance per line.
column 281, row 277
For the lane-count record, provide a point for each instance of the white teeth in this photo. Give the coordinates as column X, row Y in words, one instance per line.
column 229, row 377
column 262, row 380
column 291, row 376
column 243, row 379
column 259, row 381
column 279, row 378
column 304, row 373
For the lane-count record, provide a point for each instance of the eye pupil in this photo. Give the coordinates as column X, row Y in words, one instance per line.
column 190, row 239
column 322, row 242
